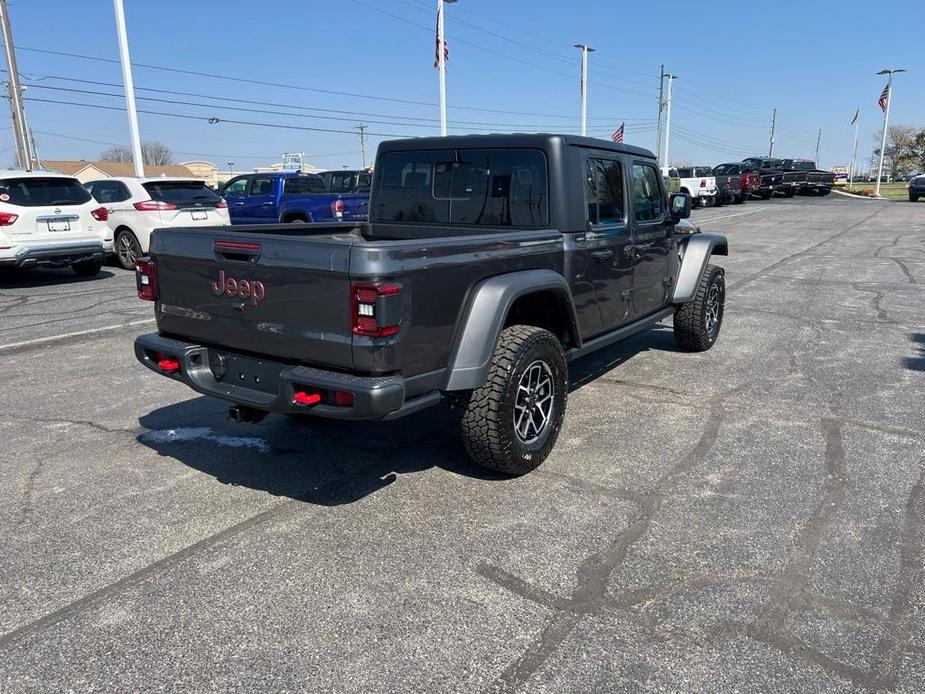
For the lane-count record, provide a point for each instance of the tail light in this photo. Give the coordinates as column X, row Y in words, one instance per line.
column 146, row 279
column 221, row 204
column 376, row 309
column 7, row 218
column 703, row 183
column 100, row 214
column 337, row 207
column 154, row 206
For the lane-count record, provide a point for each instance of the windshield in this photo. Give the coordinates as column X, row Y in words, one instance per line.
column 182, row 193
column 38, row 192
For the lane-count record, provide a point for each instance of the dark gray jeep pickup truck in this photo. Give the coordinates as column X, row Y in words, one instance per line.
column 487, row 264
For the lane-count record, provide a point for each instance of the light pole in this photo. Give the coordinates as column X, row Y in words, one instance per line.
column 441, row 62
column 886, row 121
column 671, row 79
column 854, row 155
column 231, row 168
column 584, row 86
column 129, row 88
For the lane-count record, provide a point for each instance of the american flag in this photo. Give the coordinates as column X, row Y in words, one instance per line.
column 446, row 50
column 618, row 134
column 884, row 99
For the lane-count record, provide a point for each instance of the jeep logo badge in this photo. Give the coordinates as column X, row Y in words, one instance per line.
column 252, row 290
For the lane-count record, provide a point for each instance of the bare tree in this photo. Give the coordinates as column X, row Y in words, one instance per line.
column 152, row 153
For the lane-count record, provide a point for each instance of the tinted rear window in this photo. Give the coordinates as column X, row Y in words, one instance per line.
column 477, row 187
column 37, row 192
column 725, row 169
column 182, row 193
column 304, row 185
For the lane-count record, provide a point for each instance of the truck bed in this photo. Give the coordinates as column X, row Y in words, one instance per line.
column 284, row 290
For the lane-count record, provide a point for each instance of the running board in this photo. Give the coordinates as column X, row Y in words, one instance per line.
column 619, row 334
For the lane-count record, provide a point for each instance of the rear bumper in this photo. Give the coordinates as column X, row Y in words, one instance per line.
column 54, row 254
column 374, row 397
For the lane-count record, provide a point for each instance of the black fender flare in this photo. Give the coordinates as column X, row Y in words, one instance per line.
column 481, row 325
column 695, row 255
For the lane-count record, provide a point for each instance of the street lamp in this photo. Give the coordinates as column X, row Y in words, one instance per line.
column 231, row 167
column 886, row 121
column 584, row 86
column 441, row 62
column 671, row 79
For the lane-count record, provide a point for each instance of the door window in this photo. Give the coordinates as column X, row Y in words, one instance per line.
column 648, row 201
column 236, row 188
column 261, row 186
column 604, row 191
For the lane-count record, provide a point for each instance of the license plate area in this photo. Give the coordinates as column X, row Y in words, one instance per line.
column 199, row 214
column 58, row 225
column 245, row 372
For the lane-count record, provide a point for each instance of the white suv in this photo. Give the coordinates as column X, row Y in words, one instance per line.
column 138, row 206
column 49, row 220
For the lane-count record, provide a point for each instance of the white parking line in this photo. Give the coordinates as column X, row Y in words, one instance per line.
column 728, row 216
column 80, row 333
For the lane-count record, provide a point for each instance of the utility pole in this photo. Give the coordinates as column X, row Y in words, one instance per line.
column 14, row 90
column 854, row 155
column 818, row 141
column 441, row 62
column 886, row 122
column 129, row 88
column 361, row 136
column 584, row 86
column 773, row 126
column 661, row 104
column 671, row 79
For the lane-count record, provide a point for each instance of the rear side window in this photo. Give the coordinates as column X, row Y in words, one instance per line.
column 476, row 187
column 261, row 186
column 304, row 185
column 182, row 193
column 604, row 191
column 39, row 191
column 648, row 201
column 109, row 191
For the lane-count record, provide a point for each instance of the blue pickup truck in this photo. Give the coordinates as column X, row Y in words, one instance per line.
column 268, row 198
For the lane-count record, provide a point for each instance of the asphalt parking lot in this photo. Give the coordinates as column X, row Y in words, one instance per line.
column 749, row 519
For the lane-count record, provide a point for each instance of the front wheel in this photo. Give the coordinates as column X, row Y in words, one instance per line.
column 913, row 198
column 697, row 323
column 512, row 422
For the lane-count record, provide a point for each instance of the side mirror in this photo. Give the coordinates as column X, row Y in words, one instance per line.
column 680, row 206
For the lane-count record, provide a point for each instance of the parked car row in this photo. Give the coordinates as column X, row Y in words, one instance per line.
column 757, row 177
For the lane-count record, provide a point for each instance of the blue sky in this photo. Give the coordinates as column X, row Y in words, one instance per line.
column 512, row 67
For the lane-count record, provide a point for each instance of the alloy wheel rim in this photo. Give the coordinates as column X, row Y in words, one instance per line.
column 714, row 307
column 128, row 253
column 533, row 402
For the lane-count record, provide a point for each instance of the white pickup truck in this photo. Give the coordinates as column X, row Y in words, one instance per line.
column 699, row 183
column 49, row 220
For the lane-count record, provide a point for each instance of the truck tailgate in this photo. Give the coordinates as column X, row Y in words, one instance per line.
column 272, row 294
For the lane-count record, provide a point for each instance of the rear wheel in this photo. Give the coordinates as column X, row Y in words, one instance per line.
column 765, row 195
column 128, row 250
column 697, row 323
column 512, row 422
column 87, row 268
column 913, row 198
column 790, row 192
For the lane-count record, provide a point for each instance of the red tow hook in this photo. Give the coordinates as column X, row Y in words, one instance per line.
column 301, row 398
column 169, row 365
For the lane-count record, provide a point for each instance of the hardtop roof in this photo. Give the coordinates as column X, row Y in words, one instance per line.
column 510, row 140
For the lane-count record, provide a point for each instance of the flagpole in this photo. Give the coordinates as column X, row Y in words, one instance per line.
column 441, row 60
column 886, row 122
column 854, row 156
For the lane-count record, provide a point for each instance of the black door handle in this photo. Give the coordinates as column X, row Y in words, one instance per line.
column 602, row 256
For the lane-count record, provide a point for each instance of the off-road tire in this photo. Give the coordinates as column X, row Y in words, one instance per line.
column 87, row 268
column 766, row 195
column 487, row 421
column 790, row 192
column 913, row 198
column 691, row 331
